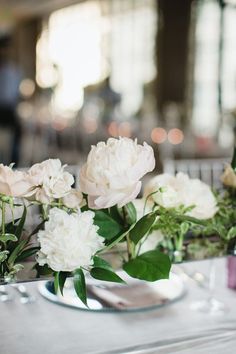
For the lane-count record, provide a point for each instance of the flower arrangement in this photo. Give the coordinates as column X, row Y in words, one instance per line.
column 78, row 226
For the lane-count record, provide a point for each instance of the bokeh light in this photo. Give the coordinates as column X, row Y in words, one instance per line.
column 90, row 125
column 175, row 136
column 125, row 129
column 59, row 124
column 27, row 88
column 158, row 135
column 25, row 110
column 113, row 129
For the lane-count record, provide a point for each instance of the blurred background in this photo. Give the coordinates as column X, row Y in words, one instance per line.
column 74, row 72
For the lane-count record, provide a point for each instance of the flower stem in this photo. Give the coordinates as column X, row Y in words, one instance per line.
column 179, row 248
column 3, row 243
column 3, row 218
column 130, row 249
column 44, row 211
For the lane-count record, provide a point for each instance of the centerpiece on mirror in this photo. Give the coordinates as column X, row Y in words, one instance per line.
column 80, row 233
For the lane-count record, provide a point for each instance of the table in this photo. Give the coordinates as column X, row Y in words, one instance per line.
column 46, row 328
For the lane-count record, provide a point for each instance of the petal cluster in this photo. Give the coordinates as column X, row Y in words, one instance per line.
column 113, row 171
column 69, row 240
column 173, row 191
column 14, row 183
column 50, row 181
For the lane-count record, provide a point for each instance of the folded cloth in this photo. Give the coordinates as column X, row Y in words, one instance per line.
column 128, row 297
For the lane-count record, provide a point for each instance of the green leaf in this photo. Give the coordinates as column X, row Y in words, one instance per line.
column 59, row 281
column 191, row 219
column 80, row 285
column 117, row 240
column 105, row 274
column 142, row 227
column 8, row 237
column 108, row 227
column 131, row 214
column 17, row 267
column 3, row 256
column 21, row 224
column 184, row 227
column 56, row 282
column 115, row 214
column 101, row 263
column 233, row 162
column 42, row 270
column 17, row 250
column 85, row 208
column 27, row 253
column 11, row 227
column 231, row 233
column 151, row 266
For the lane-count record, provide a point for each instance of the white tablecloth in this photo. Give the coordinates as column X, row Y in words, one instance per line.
column 46, row 328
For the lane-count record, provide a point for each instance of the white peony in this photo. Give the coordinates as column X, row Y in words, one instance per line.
column 173, row 191
column 50, row 181
column 156, row 236
column 113, row 171
column 69, row 240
